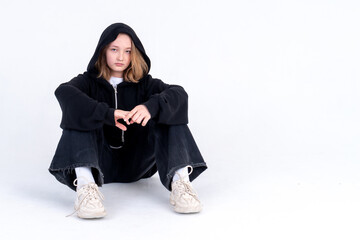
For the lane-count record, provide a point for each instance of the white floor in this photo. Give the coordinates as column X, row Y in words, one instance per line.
column 274, row 107
column 240, row 202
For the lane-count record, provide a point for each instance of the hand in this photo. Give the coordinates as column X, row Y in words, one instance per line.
column 139, row 114
column 120, row 114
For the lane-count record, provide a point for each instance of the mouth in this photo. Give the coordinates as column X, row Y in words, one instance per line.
column 119, row 64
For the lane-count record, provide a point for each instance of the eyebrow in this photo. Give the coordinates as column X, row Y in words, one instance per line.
column 119, row 47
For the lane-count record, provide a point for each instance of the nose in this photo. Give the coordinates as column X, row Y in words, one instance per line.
column 120, row 56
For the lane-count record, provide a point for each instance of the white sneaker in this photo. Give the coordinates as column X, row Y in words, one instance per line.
column 88, row 203
column 183, row 197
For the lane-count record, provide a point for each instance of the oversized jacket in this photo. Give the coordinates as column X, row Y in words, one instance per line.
column 88, row 102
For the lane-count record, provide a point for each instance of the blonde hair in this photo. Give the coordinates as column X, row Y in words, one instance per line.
column 133, row 73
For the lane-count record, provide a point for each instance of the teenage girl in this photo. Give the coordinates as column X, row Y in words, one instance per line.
column 121, row 125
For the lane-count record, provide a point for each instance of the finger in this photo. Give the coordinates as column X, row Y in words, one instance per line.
column 121, row 126
column 126, row 120
column 120, row 114
column 137, row 117
column 119, row 118
column 145, row 121
column 140, row 119
column 133, row 111
column 136, row 114
column 131, row 114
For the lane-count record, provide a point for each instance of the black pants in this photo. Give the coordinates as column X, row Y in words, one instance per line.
column 173, row 148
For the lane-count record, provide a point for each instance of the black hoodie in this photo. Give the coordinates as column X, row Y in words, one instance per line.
column 88, row 102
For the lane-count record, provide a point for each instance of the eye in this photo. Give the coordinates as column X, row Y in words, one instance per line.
column 128, row 51
column 113, row 49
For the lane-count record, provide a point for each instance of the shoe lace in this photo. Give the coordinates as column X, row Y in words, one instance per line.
column 184, row 187
column 91, row 191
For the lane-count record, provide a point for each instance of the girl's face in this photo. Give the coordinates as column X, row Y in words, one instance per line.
column 118, row 55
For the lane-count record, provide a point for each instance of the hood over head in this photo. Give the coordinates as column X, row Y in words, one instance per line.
column 108, row 36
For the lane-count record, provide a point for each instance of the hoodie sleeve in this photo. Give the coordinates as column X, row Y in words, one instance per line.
column 79, row 110
column 167, row 104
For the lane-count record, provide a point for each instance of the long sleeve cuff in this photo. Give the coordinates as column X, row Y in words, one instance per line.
column 109, row 118
column 153, row 106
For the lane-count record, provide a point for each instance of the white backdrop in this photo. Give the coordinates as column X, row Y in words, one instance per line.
column 273, row 103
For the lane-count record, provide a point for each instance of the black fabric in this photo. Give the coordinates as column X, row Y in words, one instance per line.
column 174, row 148
column 88, row 103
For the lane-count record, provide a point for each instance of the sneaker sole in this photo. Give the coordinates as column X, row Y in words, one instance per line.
column 185, row 209
column 92, row 215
